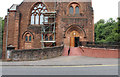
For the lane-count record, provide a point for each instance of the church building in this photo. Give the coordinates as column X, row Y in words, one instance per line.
column 33, row 25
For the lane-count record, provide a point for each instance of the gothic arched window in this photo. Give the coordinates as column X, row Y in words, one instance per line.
column 77, row 10
column 32, row 19
column 74, row 8
column 71, row 10
column 28, row 40
column 41, row 19
column 37, row 14
column 37, row 19
column 28, row 37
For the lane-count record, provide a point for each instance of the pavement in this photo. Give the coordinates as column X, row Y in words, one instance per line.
column 65, row 61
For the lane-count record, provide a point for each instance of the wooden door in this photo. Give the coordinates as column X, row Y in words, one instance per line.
column 72, row 42
column 73, row 34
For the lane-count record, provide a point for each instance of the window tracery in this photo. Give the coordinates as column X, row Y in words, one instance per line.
column 37, row 14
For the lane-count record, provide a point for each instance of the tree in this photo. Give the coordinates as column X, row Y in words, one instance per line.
column 1, row 34
column 118, row 24
column 118, row 21
column 107, row 31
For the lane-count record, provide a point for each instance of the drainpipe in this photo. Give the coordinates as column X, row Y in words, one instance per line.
column 7, row 33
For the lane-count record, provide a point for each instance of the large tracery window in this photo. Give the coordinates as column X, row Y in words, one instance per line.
column 37, row 14
column 32, row 19
column 41, row 19
column 37, row 19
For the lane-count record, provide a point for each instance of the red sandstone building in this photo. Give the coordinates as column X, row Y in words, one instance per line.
column 32, row 25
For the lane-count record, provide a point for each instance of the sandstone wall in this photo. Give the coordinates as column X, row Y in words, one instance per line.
column 36, row 54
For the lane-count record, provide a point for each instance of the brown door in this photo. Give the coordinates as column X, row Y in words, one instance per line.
column 72, row 42
column 73, row 34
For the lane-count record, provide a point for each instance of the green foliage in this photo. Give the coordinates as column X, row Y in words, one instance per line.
column 107, row 31
column 1, row 34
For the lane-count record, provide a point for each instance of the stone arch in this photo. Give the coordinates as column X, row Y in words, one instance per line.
column 72, row 33
column 26, row 33
column 36, row 4
column 68, row 6
column 33, row 5
column 72, row 3
column 75, row 27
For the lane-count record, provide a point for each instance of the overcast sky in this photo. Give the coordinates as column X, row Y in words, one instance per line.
column 103, row 9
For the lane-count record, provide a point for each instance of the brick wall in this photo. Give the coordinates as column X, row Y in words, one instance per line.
column 92, row 52
column 36, row 54
column 101, row 52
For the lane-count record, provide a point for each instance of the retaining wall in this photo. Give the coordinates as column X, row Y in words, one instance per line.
column 100, row 52
column 36, row 54
column 92, row 52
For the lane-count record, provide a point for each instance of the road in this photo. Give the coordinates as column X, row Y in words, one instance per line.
column 61, row 70
column 64, row 65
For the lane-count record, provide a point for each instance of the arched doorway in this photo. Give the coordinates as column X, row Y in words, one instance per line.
column 73, row 36
column 74, row 39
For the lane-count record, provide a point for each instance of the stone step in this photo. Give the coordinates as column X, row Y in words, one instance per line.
column 74, row 51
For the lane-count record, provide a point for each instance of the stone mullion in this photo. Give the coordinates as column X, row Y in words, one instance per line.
column 39, row 19
column 73, row 10
column 34, row 18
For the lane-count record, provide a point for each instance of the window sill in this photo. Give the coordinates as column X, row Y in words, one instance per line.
column 27, row 41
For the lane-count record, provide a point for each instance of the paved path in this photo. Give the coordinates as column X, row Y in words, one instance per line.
column 65, row 61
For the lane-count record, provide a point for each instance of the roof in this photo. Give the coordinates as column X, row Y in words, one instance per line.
column 13, row 7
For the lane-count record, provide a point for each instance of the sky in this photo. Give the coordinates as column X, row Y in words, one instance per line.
column 103, row 9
